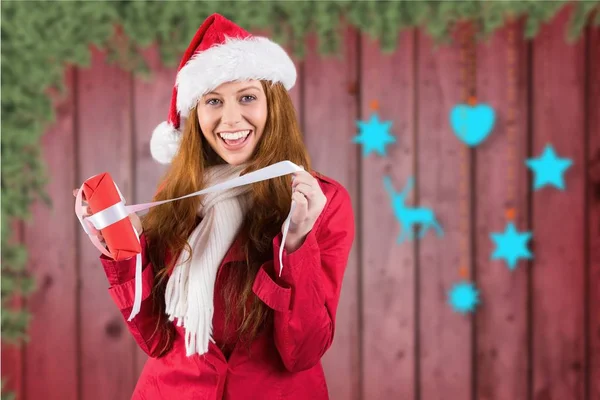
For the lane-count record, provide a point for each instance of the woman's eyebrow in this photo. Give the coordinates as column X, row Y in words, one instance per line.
column 248, row 88
column 239, row 91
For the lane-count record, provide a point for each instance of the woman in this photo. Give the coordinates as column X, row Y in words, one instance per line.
column 219, row 320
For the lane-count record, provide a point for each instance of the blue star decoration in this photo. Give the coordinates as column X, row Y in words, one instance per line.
column 511, row 245
column 549, row 169
column 463, row 297
column 374, row 135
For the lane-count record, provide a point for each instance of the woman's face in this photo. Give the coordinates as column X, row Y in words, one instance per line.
column 232, row 119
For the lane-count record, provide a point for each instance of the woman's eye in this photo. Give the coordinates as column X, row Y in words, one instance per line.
column 213, row 102
column 247, row 99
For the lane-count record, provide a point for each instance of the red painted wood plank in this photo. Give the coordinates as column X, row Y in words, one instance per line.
column 502, row 322
column 52, row 262
column 151, row 107
column 105, row 144
column 331, row 111
column 296, row 91
column 593, row 202
column 12, row 353
column 558, row 217
column 388, row 278
column 445, row 336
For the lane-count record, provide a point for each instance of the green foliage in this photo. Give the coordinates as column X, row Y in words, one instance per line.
column 40, row 38
column 6, row 396
column 37, row 41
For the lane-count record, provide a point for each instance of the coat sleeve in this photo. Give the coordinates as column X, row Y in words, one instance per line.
column 121, row 278
column 306, row 295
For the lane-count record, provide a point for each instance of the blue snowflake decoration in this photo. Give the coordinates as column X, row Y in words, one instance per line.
column 374, row 135
column 511, row 245
column 463, row 297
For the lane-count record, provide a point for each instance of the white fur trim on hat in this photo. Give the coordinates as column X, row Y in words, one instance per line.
column 235, row 60
column 164, row 142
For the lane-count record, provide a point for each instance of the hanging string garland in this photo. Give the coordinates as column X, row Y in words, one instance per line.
column 511, row 127
column 463, row 297
column 471, row 122
column 468, row 72
column 511, row 245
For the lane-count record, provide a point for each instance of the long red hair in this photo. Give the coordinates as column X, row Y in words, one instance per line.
column 168, row 226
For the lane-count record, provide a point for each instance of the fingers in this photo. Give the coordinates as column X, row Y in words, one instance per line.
column 307, row 190
column 85, row 208
column 303, row 177
column 300, row 199
column 305, row 183
column 100, row 237
column 301, row 210
column 309, row 186
column 137, row 223
column 75, row 194
column 86, row 211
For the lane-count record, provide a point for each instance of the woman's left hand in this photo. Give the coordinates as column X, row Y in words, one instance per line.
column 310, row 202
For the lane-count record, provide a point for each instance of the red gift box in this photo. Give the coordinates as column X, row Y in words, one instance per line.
column 101, row 193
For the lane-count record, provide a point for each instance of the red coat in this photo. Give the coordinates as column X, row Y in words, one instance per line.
column 285, row 361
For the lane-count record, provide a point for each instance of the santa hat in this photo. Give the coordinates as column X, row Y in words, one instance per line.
column 220, row 52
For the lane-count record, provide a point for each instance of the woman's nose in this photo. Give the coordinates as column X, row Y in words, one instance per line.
column 231, row 114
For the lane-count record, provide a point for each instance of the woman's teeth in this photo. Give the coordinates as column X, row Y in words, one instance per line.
column 234, row 135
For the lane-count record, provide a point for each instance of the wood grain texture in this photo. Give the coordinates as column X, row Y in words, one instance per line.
column 558, row 217
column 296, row 94
column 105, row 145
column 296, row 91
column 52, row 263
column 593, row 209
column 151, row 100
column 501, row 183
column 445, row 336
column 388, row 269
column 330, row 108
column 12, row 353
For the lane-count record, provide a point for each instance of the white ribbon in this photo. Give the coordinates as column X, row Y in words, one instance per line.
column 119, row 211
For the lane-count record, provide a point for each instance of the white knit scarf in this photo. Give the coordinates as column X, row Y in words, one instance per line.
column 190, row 289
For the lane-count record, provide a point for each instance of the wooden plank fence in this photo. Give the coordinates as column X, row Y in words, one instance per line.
column 536, row 333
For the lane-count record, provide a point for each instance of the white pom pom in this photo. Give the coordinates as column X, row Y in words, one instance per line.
column 164, row 143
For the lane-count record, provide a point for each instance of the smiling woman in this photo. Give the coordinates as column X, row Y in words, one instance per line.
column 216, row 319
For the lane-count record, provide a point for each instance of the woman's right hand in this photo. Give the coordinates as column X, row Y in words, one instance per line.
column 135, row 219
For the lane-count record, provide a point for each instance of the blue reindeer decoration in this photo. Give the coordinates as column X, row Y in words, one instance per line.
column 410, row 216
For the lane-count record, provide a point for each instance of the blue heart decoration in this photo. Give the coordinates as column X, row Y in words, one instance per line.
column 472, row 124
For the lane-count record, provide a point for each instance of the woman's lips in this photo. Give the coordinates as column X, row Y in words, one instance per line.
column 235, row 140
